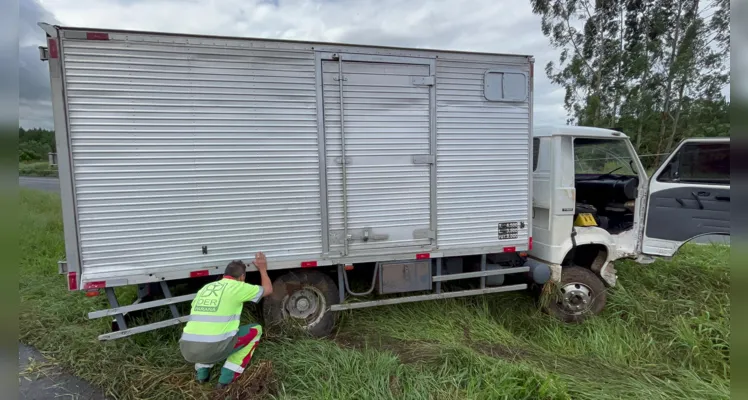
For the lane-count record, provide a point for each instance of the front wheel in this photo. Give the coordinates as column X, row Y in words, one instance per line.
column 580, row 294
column 302, row 299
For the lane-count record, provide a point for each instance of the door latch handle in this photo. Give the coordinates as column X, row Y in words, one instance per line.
column 698, row 200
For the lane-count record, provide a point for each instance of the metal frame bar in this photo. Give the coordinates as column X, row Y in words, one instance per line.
column 140, row 306
column 433, row 148
column 167, row 294
column 438, row 289
column 65, row 159
column 343, row 166
column 480, row 274
column 144, row 328
column 531, row 101
column 483, row 269
column 118, row 317
column 414, row 60
column 322, row 147
column 411, row 299
column 341, row 283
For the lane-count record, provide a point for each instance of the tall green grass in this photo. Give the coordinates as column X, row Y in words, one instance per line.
column 665, row 334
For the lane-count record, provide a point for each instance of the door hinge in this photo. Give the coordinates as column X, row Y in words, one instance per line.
column 340, row 160
column 424, row 80
column 424, row 159
column 43, row 53
column 337, row 78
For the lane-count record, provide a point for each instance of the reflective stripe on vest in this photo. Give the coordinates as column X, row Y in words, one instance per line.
column 233, row 367
column 214, row 318
column 193, row 337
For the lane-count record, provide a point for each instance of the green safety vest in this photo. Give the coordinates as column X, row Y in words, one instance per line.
column 216, row 310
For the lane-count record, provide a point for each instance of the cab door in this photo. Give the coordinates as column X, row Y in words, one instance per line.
column 689, row 196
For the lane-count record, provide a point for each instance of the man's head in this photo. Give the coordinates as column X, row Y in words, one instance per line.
column 236, row 269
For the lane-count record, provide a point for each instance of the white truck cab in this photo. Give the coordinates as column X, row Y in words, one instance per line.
column 593, row 203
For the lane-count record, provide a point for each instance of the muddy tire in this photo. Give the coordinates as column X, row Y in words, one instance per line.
column 580, row 295
column 302, row 300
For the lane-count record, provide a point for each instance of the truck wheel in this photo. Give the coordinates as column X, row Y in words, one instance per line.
column 580, row 294
column 302, row 299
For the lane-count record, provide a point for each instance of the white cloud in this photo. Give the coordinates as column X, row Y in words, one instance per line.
column 469, row 25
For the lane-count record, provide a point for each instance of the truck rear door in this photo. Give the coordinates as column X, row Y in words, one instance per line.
column 689, row 196
column 380, row 157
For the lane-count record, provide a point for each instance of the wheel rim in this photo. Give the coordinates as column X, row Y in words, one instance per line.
column 305, row 306
column 576, row 298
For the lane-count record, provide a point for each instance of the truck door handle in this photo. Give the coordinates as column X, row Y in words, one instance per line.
column 698, row 200
column 722, row 198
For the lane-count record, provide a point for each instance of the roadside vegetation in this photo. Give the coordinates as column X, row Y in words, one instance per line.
column 38, row 168
column 665, row 334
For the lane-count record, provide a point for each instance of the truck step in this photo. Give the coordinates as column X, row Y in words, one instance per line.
column 411, row 299
column 479, row 274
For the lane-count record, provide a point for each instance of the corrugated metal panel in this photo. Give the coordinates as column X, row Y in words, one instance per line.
column 387, row 122
column 482, row 158
column 177, row 147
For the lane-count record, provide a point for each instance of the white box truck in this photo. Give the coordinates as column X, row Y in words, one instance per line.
column 180, row 153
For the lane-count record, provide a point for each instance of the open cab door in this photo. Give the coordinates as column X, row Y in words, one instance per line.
column 689, row 196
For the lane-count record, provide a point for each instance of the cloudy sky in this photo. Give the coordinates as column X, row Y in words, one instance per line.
column 501, row 26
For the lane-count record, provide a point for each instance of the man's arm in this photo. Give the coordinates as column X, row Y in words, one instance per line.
column 262, row 266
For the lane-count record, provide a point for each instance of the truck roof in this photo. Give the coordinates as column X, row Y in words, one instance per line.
column 577, row 131
column 48, row 27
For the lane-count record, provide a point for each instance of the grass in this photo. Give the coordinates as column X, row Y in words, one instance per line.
column 665, row 334
column 36, row 168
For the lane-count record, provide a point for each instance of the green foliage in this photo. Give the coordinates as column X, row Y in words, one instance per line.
column 665, row 334
column 40, row 168
column 35, row 144
column 655, row 68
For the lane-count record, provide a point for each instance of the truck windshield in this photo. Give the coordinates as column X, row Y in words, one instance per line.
column 602, row 157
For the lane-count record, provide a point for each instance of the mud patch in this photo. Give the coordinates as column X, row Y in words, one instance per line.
column 257, row 382
column 408, row 351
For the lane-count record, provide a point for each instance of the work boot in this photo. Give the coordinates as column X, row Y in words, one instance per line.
column 203, row 375
column 220, row 385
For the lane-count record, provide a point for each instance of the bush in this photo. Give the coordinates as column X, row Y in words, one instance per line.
column 41, row 168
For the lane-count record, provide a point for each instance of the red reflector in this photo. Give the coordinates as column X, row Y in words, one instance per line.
column 97, row 36
column 529, row 244
column 72, row 280
column 510, row 249
column 94, row 285
column 349, row 267
column 52, row 47
column 532, row 70
column 92, row 293
column 423, row 256
column 197, row 274
column 308, row 264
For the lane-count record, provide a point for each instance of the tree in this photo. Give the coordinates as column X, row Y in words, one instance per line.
column 656, row 68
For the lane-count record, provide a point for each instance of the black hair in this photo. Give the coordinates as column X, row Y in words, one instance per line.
column 235, row 269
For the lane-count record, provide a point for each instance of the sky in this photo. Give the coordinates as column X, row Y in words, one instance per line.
column 497, row 26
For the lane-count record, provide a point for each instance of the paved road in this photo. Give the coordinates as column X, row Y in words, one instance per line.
column 46, row 184
column 39, row 379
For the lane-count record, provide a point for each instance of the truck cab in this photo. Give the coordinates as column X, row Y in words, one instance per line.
column 594, row 203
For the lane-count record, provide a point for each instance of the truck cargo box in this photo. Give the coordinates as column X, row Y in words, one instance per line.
column 180, row 153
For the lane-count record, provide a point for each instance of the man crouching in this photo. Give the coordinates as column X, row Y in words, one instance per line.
column 213, row 334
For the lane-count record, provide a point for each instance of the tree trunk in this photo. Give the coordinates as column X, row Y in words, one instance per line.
column 669, row 86
column 642, row 108
column 619, row 78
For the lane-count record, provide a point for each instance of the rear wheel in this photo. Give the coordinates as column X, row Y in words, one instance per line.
column 579, row 295
column 302, row 299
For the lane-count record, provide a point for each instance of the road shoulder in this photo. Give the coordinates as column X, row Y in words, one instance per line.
column 41, row 378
